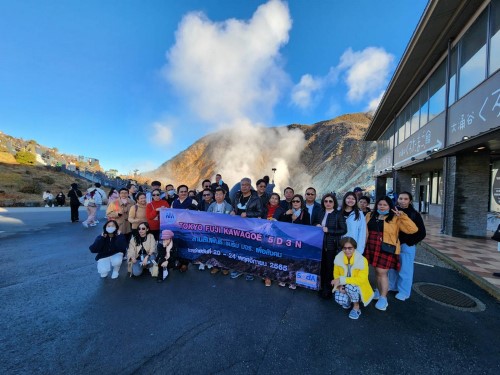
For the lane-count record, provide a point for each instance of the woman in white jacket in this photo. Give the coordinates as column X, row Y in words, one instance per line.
column 356, row 224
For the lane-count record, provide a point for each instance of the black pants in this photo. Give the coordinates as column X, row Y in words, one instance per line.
column 74, row 212
column 327, row 271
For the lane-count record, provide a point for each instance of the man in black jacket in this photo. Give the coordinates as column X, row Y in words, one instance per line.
column 312, row 206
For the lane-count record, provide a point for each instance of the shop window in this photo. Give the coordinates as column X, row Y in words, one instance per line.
column 437, row 91
column 424, row 109
column 414, row 118
column 495, row 36
column 452, row 97
column 473, row 56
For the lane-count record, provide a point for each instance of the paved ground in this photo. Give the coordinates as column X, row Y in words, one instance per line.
column 59, row 317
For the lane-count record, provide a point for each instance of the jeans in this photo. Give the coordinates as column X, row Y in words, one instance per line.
column 403, row 280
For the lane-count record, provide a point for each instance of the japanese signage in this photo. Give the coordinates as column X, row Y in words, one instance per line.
column 427, row 138
column 477, row 112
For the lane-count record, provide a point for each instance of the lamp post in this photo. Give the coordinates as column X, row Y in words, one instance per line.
column 274, row 172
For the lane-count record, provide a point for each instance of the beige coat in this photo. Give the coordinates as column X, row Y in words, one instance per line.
column 133, row 250
column 117, row 207
column 137, row 215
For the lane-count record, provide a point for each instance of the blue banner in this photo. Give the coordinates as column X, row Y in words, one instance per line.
column 284, row 252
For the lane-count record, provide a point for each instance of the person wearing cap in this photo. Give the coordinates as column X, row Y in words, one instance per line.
column 167, row 254
column 358, row 191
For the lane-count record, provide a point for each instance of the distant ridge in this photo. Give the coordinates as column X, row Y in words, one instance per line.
column 332, row 156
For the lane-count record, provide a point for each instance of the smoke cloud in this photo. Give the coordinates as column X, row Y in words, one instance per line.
column 230, row 76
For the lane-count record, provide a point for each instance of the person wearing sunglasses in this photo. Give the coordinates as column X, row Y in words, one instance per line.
column 350, row 278
column 312, row 206
column 206, row 184
column 298, row 214
column 334, row 227
column 142, row 252
column 207, row 200
column 155, row 185
column 153, row 209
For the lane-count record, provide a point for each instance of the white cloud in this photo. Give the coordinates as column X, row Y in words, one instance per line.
column 366, row 71
column 303, row 93
column 162, row 134
column 231, row 70
column 373, row 104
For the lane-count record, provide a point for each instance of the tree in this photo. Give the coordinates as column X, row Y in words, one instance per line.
column 25, row 157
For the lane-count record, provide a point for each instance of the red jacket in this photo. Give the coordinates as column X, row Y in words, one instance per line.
column 152, row 215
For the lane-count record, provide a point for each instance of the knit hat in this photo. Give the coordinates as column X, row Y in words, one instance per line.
column 167, row 234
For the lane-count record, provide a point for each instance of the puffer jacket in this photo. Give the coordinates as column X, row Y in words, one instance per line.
column 254, row 204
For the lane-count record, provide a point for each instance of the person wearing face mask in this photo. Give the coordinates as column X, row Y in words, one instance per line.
column 383, row 246
column 118, row 210
column 171, row 196
column 401, row 281
column 109, row 246
column 356, row 224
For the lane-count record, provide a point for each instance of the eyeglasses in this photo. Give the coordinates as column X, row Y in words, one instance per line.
column 310, row 194
column 207, row 195
column 155, row 195
column 142, row 228
column 348, row 248
column 328, row 201
column 296, row 201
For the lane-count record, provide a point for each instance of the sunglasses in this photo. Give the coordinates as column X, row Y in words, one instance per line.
column 142, row 228
column 296, row 201
column 348, row 248
column 328, row 201
column 310, row 194
column 155, row 195
column 207, row 195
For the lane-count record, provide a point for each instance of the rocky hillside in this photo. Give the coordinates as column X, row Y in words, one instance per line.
column 327, row 155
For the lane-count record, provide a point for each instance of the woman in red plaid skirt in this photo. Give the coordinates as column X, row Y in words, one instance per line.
column 383, row 228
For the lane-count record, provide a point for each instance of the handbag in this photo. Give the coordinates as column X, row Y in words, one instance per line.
column 384, row 246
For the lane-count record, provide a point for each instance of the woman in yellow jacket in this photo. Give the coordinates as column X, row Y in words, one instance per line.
column 382, row 247
column 350, row 278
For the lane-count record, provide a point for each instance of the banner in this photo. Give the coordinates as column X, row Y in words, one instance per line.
column 284, row 252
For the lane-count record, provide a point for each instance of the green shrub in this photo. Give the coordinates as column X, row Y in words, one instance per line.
column 47, row 180
column 25, row 157
column 33, row 187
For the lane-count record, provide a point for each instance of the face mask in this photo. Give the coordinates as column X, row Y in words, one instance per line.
column 171, row 192
column 110, row 230
column 383, row 212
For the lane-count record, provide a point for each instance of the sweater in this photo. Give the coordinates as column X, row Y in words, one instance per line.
column 152, row 215
column 137, row 215
column 413, row 239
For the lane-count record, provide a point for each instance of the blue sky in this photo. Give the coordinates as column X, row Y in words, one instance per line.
column 145, row 79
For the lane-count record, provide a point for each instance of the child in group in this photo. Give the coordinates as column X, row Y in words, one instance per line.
column 350, row 278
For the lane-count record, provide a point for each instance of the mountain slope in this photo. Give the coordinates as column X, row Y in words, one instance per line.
column 327, row 155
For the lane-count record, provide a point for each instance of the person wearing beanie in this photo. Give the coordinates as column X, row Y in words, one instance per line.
column 167, row 254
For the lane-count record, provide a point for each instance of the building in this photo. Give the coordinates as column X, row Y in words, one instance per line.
column 438, row 124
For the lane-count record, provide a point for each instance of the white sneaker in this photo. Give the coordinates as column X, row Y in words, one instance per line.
column 96, row 222
column 85, row 224
column 165, row 273
column 93, row 225
column 104, row 275
column 114, row 275
column 201, row 267
column 46, row 205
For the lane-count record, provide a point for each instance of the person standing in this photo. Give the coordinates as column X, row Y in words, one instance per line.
column 286, row 203
column 383, row 246
column 261, row 192
column 334, row 227
column 92, row 199
column 219, row 183
column 118, row 210
column 103, row 199
column 356, row 224
column 153, row 209
column 137, row 213
column 74, row 195
column 247, row 204
column 206, row 201
column 312, row 206
column 402, row 281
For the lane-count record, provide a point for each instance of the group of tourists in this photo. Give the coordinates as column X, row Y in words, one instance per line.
column 354, row 237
